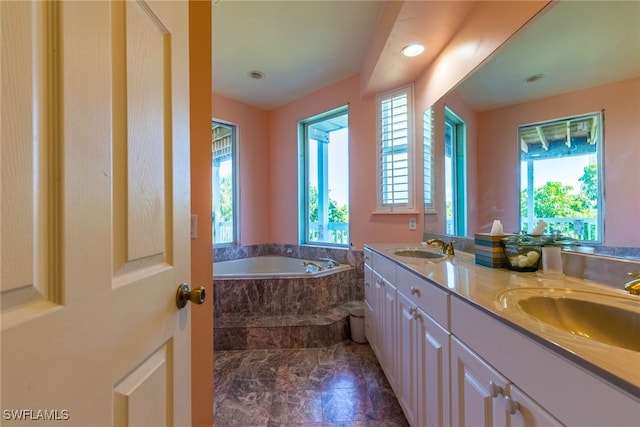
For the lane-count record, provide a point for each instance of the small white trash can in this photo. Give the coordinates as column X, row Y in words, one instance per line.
column 356, row 324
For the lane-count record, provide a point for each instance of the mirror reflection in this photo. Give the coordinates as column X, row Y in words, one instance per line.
column 578, row 58
column 560, row 178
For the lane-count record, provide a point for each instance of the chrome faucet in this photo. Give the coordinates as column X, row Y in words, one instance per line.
column 447, row 248
column 330, row 262
column 633, row 287
column 312, row 264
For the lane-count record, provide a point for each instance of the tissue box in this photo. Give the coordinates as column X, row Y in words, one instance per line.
column 489, row 251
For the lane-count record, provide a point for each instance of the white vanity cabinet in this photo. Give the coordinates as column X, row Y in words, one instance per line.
column 537, row 387
column 380, row 312
column 451, row 362
column 423, row 351
column 480, row 395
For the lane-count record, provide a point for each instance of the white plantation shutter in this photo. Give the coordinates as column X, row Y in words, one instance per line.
column 427, row 157
column 395, row 150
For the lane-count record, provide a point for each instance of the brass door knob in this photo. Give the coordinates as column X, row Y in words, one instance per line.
column 184, row 295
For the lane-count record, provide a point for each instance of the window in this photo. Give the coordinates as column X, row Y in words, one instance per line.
column 455, row 173
column 427, row 155
column 224, row 183
column 395, row 150
column 324, row 209
column 560, row 176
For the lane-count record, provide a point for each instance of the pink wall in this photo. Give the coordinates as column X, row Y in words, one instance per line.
column 364, row 225
column 255, row 170
column 498, row 165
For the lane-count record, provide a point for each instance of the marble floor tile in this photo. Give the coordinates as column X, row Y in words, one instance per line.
column 337, row 386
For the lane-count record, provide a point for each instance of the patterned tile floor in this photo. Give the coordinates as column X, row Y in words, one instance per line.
column 338, row 386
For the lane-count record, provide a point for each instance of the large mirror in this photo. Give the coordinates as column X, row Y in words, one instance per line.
column 579, row 57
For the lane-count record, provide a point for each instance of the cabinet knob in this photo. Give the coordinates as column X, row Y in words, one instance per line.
column 415, row 291
column 510, row 405
column 494, row 389
column 413, row 311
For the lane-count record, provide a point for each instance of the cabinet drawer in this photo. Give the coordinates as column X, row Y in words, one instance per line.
column 427, row 296
column 384, row 267
column 368, row 257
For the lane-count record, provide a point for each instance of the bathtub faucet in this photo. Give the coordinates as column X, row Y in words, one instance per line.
column 330, row 262
column 312, row 264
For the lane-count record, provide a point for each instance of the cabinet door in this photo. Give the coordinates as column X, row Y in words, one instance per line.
column 523, row 411
column 475, row 388
column 408, row 358
column 433, row 401
column 370, row 313
column 387, row 341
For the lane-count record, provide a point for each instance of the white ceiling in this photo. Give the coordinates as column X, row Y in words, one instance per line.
column 576, row 45
column 303, row 46
column 300, row 46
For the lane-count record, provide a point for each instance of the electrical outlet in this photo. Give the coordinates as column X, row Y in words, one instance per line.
column 412, row 223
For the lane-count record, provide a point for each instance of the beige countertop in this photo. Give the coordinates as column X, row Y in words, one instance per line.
column 487, row 288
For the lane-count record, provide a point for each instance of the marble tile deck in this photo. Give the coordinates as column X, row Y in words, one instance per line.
column 250, row 332
column 337, row 386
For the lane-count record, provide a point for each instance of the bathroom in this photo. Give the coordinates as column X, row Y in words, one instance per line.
column 270, row 187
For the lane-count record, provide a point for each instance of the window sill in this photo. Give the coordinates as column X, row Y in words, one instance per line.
column 397, row 212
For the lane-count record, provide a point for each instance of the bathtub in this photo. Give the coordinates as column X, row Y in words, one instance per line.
column 276, row 285
column 270, row 267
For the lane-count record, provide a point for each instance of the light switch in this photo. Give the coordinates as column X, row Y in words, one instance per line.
column 194, row 226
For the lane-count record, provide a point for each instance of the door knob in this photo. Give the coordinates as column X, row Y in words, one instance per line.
column 184, row 295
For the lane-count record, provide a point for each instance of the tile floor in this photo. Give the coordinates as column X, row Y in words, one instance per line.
column 338, row 386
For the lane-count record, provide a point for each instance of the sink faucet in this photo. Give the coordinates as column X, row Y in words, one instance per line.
column 330, row 262
column 633, row 287
column 447, row 248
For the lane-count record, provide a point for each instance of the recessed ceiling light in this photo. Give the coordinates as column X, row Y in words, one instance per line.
column 413, row 49
column 533, row 78
column 256, row 75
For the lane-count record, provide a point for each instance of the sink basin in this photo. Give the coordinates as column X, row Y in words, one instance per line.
column 417, row 253
column 608, row 319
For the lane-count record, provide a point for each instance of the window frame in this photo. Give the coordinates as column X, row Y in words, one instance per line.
column 235, row 240
column 407, row 206
column 304, row 173
column 600, row 201
column 459, row 171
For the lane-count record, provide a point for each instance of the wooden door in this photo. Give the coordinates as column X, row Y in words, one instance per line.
column 94, row 164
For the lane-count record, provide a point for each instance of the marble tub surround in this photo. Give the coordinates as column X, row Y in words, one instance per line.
column 607, row 265
column 275, row 312
column 276, row 296
column 322, row 329
column 341, row 385
column 342, row 255
column 482, row 287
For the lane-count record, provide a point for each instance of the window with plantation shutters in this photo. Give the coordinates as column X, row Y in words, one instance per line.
column 395, row 150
